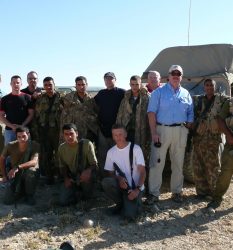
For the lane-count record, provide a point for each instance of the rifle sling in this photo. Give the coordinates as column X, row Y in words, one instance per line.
column 131, row 163
column 207, row 107
column 79, row 157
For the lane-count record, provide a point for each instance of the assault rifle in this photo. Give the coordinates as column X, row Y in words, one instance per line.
column 122, row 174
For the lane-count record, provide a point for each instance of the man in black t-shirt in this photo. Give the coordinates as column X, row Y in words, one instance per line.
column 15, row 109
column 108, row 101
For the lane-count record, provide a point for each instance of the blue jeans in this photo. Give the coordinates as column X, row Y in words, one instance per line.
column 9, row 135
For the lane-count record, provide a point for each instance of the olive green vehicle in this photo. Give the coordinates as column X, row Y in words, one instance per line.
column 199, row 62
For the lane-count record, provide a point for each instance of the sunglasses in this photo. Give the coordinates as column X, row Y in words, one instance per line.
column 173, row 73
column 209, row 85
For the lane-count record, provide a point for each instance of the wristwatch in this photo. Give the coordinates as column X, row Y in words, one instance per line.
column 140, row 188
column 16, row 167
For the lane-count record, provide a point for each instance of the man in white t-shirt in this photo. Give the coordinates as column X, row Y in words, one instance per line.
column 125, row 167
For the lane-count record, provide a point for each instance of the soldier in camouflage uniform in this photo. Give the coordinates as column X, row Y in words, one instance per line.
column 207, row 139
column 226, row 173
column 132, row 114
column 75, row 112
column 47, row 122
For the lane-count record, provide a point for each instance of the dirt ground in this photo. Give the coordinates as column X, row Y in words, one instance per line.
column 166, row 225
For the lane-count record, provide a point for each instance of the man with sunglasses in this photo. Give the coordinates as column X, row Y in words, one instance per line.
column 207, row 139
column 32, row 89
column 75, row 111
column 170, row 114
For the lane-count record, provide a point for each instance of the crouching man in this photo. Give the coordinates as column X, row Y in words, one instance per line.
column 125, row 167
column 78, row 163
column 23, row 155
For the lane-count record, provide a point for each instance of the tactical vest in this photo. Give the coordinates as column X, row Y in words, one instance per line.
column 229, row 120
column 48, row 116
column 208, row 123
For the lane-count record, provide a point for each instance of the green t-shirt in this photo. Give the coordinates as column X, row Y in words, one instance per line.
column 68, row 156
column 12, row 150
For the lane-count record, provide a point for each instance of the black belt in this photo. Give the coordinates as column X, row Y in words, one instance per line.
column 171, row 125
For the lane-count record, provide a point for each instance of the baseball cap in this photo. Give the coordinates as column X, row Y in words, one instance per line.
column 176, row 67
column 111, row 74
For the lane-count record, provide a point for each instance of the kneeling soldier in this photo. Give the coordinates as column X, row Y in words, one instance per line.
column 78, row 164
column 125, row 166
column 23, row 155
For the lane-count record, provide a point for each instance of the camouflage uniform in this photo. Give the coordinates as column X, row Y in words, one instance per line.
column 46, row 123
column 226, row 173
column 23, row 185
column 207, row 142
column 76, row 112
column 135, row 119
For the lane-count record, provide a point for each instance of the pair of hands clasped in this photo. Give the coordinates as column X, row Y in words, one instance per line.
column 84, row 177
column 132, row 193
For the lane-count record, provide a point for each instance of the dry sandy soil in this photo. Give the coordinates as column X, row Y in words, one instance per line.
column 163, row 226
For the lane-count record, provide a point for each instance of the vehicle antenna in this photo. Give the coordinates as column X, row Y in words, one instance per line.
column 190, row 4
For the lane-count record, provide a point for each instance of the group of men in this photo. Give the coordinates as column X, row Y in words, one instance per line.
column 129, row 131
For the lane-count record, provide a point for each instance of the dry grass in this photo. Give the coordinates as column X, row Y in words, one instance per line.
column 93, row 232
column 66, row 219
column 32, row 245
column 44, row 236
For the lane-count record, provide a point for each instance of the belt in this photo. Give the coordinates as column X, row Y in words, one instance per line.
column 171, row 125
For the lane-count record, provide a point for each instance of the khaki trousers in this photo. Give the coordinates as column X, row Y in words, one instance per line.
column 173, row 139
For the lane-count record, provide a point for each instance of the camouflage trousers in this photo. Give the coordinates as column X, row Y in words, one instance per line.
column 226, row 173
column 49, row 142
column 104, row 144
column 23, row 185
column 206, row 163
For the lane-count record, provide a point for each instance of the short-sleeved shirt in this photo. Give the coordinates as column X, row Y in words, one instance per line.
column 16, row 107
column 108, row 101
column 27, row 91
column 171, row 106
column 69, row 158
column 121, row 158
column 12, row 150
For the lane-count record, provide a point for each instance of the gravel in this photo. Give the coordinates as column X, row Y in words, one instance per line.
column 164, row 225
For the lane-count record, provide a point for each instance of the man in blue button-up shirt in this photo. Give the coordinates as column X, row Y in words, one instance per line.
column 170, row 114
